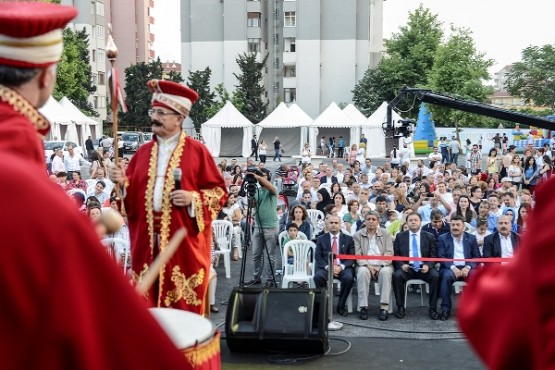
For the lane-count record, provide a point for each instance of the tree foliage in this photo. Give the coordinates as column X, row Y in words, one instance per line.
column 222, row 96
column 250, row 88
column 200, row 82
column 74, row 77
column 459, row 69
column 533, row 78
column 137, row 93
column 409, row 55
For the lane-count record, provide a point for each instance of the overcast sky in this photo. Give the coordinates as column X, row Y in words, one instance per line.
column 501, row 28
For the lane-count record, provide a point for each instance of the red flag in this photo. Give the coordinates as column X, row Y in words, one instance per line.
column 116, row 93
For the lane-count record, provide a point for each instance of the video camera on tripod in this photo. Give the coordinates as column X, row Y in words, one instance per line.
column 249, row 183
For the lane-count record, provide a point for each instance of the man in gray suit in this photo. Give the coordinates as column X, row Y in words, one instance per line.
column 375, row 241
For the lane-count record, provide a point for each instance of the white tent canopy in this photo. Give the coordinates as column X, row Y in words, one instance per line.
column 286, row 125
column 57, row 116
column 373, row 131
column 334, row 122
column 228, row 120
column 81, row 120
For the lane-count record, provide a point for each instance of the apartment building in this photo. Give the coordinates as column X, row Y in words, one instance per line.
column 317, row 50
column 500, row 77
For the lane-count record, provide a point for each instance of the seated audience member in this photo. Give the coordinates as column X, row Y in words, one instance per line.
column 480, row 233
column 415, row 243
column 457, row 244
column 503, row 242
column 336, row 242
column 437, row 225
column 373, row 240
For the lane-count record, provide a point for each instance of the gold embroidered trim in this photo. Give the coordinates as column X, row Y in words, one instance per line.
column 185, row 287
column 138, row 277
column 212, row 200
column 199, row 210
column 169, row 185
column 21, row 105
column 198, row 355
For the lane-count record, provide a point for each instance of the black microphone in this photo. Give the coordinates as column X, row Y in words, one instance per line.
column 177, row 178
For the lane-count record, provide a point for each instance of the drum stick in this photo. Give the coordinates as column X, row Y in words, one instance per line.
column 163, row 258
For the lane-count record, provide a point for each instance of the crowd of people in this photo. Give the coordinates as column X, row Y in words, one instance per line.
column 450, row 211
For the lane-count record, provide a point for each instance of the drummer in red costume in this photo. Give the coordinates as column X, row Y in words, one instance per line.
column 508, row 311
column 65, row 305
column 156, row 209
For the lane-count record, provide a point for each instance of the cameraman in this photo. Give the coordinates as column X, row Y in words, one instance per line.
column 265, row 228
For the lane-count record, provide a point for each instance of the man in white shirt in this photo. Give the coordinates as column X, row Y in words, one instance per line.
column 58, row 162
column 503, row 242
column 305, row 186
column 73, row 161
column 435, row 155
column 458, row 245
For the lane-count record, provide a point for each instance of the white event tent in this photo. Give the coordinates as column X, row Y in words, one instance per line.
column 284, row 124
column 334, row 122
column 58, row 117
column 89, row 126
column 225, row 124
column 373, row 131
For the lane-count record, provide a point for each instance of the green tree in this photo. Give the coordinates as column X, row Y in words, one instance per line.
column 137, row 93
column 175, row 77
column 368, row 93
column 222, row 96
column 254, row 107
column 533, row 78
column 200, row 82
column 74, row 77
column 459, row 70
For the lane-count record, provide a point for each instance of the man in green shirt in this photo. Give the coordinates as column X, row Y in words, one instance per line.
column 265, row 232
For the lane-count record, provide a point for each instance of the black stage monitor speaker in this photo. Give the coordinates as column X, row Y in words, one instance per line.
column 277, row 320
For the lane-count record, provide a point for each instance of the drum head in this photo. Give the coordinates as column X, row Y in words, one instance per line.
column 184, row 328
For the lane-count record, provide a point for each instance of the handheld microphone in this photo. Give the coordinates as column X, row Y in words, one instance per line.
column 177, row 178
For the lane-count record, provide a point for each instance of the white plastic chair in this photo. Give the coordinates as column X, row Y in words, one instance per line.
column 300, row 236
column 459, row 285
column 349, row 297
column 314, row 215
column 223, row 232
column 377, row 292
column 301, row 270
column 416, row 282
column 111, row 244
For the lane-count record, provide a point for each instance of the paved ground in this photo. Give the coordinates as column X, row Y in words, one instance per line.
column 414, row 342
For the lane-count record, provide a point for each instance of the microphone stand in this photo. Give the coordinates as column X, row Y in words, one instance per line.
column 332, row 325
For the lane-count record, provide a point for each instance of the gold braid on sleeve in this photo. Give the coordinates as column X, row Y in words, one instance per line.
column 212, row 199
column 199, row 211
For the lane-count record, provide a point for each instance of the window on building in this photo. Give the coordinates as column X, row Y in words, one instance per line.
column 100, row 32
column 253, row 19
column 290, row 19
column 289, row 71
column 289, row 44
column 101, row 78
column 93, row 56
column 290, row 95
column 101, row 56
column 92, row 7
column 99, row 8
column 253, row 45
column 95, row 102
column 94, row 79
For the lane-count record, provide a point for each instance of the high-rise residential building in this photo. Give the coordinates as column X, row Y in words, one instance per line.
column 317, row 49
column 93, row 18
column 129, row 21
column 500, row 77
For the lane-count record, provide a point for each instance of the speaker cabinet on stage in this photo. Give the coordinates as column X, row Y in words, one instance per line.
column 282, row 320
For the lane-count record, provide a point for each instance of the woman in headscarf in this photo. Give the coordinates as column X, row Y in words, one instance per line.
column 323, row 199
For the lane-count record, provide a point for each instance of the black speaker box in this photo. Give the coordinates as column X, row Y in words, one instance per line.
column 277, row 320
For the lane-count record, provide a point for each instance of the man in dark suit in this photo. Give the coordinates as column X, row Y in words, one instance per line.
column 328, row 176
column 254, row 148
column 415, row 243
column 503, row 242
column 337, row 242
column 457, row 244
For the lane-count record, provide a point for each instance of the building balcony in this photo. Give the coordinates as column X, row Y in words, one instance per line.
column 289, row 82
column 151, row 20
column 289, row 58
column 151, row 37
